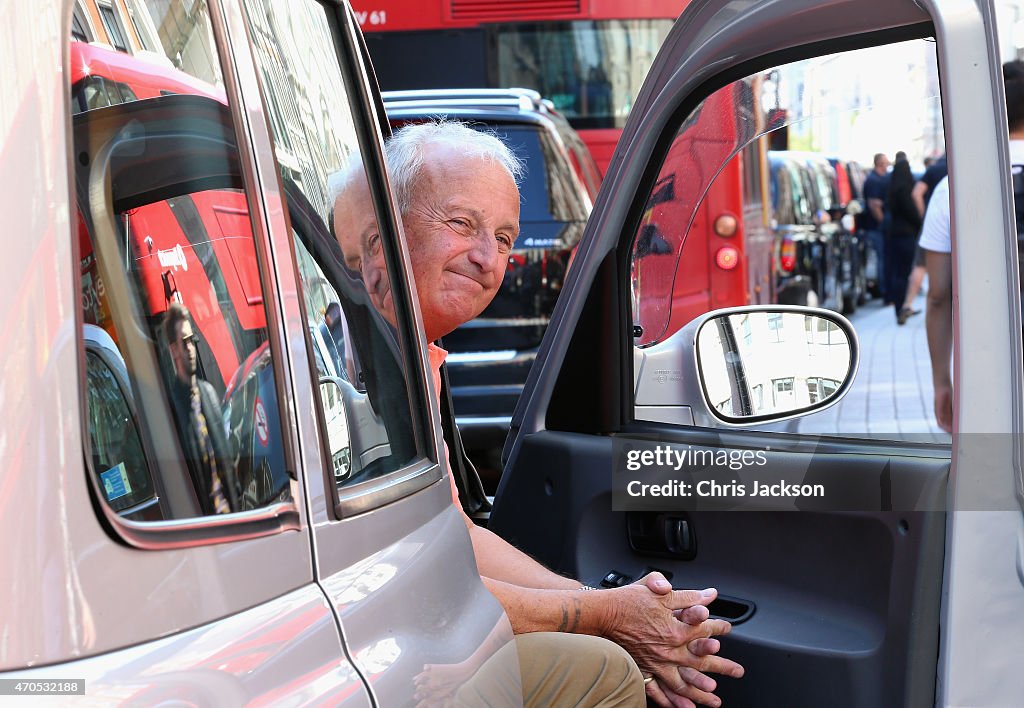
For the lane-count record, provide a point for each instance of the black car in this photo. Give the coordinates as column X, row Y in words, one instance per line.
column 807, row 243
column 489, row 357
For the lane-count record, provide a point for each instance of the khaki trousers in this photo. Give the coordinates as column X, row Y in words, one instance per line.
column 556, row 669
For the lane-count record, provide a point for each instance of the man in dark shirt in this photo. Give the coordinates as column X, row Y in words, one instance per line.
column 200, row 422
column 876, row 188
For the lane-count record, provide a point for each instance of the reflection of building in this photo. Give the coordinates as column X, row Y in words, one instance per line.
column 175, row 30
column 311, row 129
column 179, row 32
column 771, row 362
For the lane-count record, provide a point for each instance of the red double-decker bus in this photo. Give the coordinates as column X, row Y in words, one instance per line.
column 589, row 57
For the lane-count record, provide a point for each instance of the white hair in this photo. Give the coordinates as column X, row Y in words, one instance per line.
column 405, row 152
column 338, row 182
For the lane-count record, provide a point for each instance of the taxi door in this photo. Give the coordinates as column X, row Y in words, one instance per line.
column 903, row 585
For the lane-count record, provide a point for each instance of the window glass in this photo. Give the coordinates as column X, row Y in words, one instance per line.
column 118, row 459
column 591, row 70
column 112, row 25
column 170, row 276
column 142, row 22
column 795, row 241
column 79, row 27
column 351, row 318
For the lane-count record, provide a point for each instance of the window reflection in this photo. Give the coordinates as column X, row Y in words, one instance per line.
column 170, row 273
column 350, row 317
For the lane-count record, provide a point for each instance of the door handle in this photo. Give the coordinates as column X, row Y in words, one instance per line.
column 659, row 534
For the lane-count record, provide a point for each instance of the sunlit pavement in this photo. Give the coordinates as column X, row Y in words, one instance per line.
column 892, row 394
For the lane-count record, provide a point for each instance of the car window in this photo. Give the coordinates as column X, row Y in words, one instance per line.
column 170, row 272
column 353, row 321
column 555, row 195
column 119, row 460
column 681, row 261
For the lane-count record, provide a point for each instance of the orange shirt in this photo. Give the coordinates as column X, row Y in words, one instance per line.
column 437, row 356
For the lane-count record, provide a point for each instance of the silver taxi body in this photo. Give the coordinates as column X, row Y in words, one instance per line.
column 317, row 597
column 346, row 587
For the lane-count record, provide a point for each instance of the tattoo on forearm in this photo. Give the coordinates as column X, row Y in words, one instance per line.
column 565, row 619
column 572, row 625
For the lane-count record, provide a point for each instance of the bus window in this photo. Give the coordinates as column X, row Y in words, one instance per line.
column 591, row 70
column 588, row 58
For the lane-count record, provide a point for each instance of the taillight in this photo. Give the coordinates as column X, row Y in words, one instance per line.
column 726, row 225
column 787, row 256
column 727, row 258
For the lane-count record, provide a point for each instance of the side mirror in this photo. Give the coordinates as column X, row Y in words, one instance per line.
column 332, row 399
column 747, row 365
column 356, row 434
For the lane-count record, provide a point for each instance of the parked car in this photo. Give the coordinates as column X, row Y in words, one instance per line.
column 807, row 244
column 850, row 183
column 490, row 357
column 900, row 586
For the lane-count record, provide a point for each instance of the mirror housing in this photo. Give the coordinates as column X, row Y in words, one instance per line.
column 356, row 434
column 745, row 365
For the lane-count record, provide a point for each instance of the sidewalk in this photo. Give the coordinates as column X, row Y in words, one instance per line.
column 892, row 394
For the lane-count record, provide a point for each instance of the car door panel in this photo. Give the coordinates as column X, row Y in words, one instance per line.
column 846, row 604
column 266, row 654
column 837, row 598
column 390, row 549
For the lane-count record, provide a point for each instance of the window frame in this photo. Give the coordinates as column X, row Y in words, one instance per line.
column 372, row 128
column 118, row 25
column 369, row 123
column 199, row 530
column 80, row 14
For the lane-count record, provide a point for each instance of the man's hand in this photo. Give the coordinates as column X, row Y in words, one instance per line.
column 668, row 634
column 944, row 407
column 437, row 683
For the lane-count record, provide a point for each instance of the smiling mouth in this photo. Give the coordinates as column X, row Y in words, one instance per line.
column 470, row 278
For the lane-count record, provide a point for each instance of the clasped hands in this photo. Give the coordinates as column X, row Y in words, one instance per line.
column 670, row 636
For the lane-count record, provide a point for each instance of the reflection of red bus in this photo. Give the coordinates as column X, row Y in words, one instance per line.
column 196, row 248
column 589, row 57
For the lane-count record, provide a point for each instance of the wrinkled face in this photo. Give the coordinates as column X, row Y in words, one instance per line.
column 462, row 222
column 355, row 227
column 183, row 351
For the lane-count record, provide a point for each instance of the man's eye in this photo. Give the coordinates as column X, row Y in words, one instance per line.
column 373, row 244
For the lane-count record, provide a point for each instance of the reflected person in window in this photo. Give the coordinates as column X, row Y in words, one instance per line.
column 200, row 421
column 459, row 205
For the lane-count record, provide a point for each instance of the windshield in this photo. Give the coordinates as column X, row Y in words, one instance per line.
column 591, row 70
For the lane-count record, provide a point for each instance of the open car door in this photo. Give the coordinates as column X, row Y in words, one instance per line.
column 901, row 583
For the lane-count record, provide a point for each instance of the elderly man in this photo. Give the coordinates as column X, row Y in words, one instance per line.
column 456, row 190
